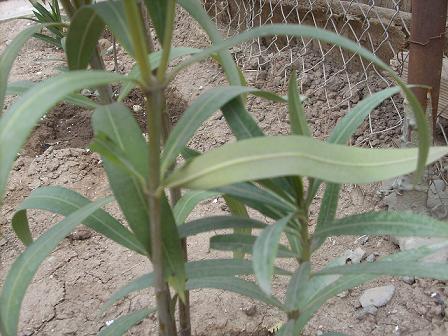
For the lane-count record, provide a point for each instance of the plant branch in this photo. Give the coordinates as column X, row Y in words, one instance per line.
column 154, row 105
column 175, row 195
column 139, row 41
column 166, row 43
column 68, row 8
column 106, row 94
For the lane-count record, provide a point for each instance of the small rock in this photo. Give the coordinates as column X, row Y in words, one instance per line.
column 3, row 241
column 343, row 294
column 250, row 311
column 86, row 92
column 354, row 257
column 104, row 44
column 371, row 258
column 407, row 279
column 378, row 296
column 370, row 310
column 363, row 240
column 137, row 108
column 80, row 234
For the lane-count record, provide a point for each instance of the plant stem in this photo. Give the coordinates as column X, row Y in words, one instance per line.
column 166, row 43
column 184, row 307
column 68, row 8
column 154, row 105
column 175, row 195
column 147, row 25
column 106, row 94
column 167, row 326
column 139, row 41
column 306, row 254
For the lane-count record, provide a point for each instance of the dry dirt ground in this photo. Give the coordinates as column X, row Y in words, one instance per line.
column 67, row 292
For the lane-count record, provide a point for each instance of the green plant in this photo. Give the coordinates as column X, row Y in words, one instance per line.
column 260, row 172
column 53, row 16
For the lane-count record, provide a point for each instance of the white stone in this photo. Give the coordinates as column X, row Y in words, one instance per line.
column 378, row 296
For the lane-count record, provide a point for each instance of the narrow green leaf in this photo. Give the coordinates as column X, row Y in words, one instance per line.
column 304, row 31
column 64, row 202
column 122, row 324
column 245, row 243
column 327, row 211
column 17, row 123
column 185, row 205
column 109, row 150
column 199, row 111
column 236, row 285
column 56, row 42
column 263, row 200
column 26, row 265
column 297, row 287
column 348, row 125
column 240, row 121
column 113, row 15
column 194, row 269
column 297, row 118
column 158, row 12
column 267, row 157
column 330, row 285
column 419, row 269
column 84, row 31
column 20, row 87
column 188, row 153
column 400, row 224
column 154, row 61
column 237, row 209
column 265, row 252
column 172, row 250
column 9, row 55
column 197, row 12
column 117, row 122
column 214, row 223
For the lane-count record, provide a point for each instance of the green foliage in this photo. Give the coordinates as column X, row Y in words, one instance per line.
column 52, row 17
column 256, row 171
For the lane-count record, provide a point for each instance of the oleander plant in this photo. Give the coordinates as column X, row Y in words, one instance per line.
column 278, row 176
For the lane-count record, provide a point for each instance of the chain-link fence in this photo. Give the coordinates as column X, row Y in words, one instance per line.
column 327, row 73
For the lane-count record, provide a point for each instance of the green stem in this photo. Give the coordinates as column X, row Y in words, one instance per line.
column 68, row 7
column 306, row 249
column 154, row 93
column 166, row 43
column 184, row 307
column 167, row 325
column 139, row 41
column 105, row 91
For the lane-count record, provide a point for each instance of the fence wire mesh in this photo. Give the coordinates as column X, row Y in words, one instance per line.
column 327, row 74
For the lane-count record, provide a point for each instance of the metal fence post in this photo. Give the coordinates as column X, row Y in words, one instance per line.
column 426, row 52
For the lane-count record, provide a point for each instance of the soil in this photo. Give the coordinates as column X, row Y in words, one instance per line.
column 71, row 285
